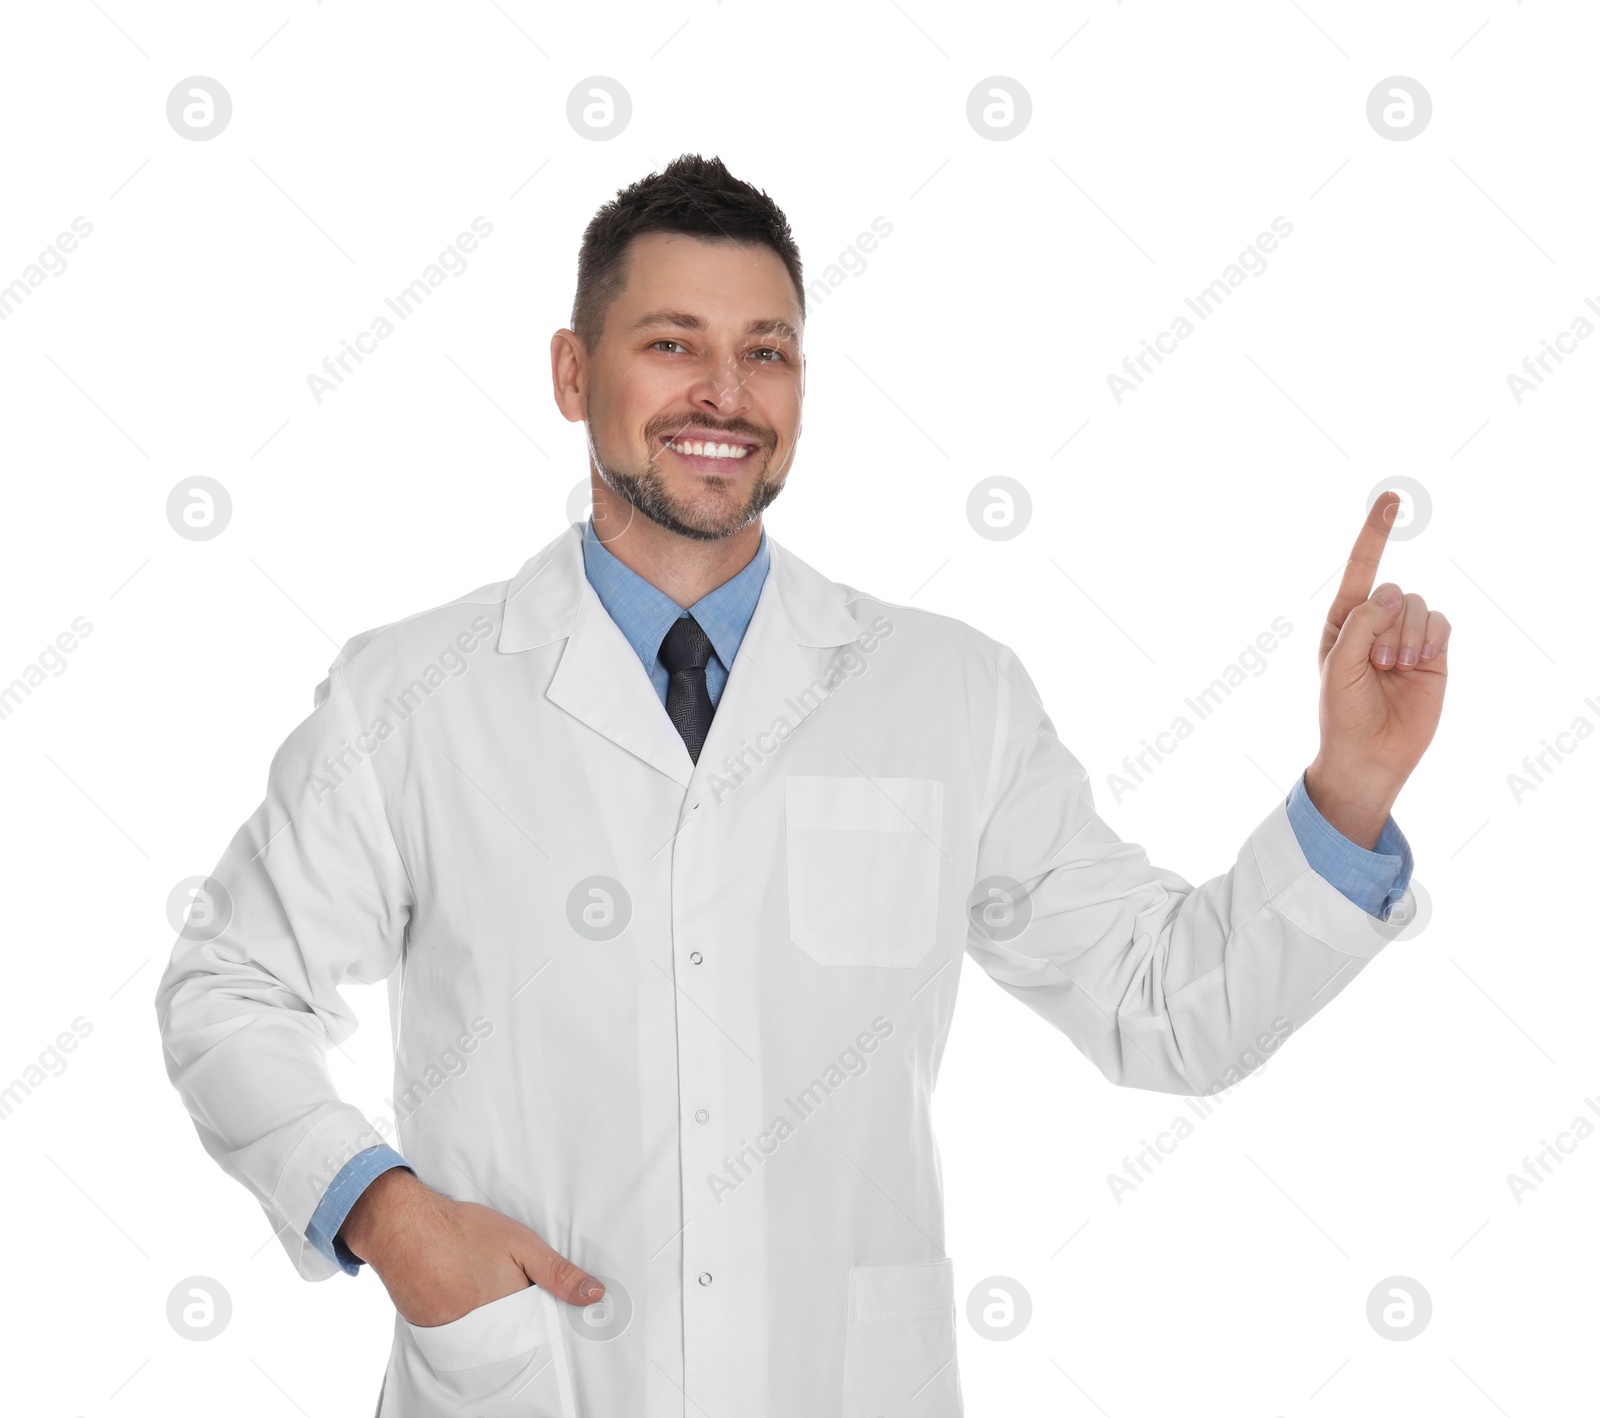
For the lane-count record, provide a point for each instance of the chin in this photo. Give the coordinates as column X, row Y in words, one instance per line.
column 702, row 507
column 717, row 515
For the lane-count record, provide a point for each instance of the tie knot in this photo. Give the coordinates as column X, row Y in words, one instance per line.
column 686, row 646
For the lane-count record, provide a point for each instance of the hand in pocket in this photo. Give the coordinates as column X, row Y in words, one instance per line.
column 440, row 1258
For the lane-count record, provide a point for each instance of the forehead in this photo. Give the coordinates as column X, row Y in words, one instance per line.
column 721, row 282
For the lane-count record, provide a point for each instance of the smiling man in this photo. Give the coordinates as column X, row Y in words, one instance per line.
column 672, row 885
column 699, row 474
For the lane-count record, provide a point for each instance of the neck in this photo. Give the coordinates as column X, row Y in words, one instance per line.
column 681, row 567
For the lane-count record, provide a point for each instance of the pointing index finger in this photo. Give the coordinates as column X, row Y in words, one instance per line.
column 1362, row 569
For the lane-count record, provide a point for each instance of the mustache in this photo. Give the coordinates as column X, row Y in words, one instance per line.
column 736, row 428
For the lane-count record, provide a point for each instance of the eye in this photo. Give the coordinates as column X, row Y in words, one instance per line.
column 779, row 353
column 654, row 343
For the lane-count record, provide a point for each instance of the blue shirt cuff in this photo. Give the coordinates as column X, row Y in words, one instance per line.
column 1374, row 880
column 343, row 1192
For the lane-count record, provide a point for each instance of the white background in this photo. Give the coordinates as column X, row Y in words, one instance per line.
column 1167, row 534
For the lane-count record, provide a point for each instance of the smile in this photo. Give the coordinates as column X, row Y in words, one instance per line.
column 698, row 448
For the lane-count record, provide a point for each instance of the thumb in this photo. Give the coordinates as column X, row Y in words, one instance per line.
column 1361, row 629
column 552, row 1271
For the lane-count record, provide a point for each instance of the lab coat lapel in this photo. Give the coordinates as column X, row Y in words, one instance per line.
column 776, row 679
column 599, row 678
column 776, row 676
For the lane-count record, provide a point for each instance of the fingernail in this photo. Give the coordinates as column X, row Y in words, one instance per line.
column 1383, row 655
column 1389, row 598
column 1408, row 655
column 591, row 1289
column 1429, row 649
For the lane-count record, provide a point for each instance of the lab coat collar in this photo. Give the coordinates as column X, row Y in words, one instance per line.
column 646, row 613
column 601, row 681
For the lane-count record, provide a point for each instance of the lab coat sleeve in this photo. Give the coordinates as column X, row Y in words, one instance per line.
column 314, row 892
column 1162, row 985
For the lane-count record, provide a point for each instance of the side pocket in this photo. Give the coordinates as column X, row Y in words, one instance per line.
column 900, row 1342
column 474, row 1366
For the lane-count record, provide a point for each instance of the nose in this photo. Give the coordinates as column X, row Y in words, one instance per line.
column 721, row 388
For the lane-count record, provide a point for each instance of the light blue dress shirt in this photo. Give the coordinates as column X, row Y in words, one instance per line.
column 645, row 614
column 1373, row 880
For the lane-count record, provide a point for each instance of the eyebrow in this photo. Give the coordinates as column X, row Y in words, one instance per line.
column 683, row 320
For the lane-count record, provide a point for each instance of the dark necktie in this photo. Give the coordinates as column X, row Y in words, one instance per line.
column 685, row 649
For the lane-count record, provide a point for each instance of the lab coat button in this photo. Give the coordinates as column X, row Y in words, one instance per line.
column 695, row 957
column 705, row 1277
column 702, row 1116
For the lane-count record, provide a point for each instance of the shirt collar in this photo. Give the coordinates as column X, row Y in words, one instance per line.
column 644, row 613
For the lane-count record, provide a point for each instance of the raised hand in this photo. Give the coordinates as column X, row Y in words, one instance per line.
column 1384, row 664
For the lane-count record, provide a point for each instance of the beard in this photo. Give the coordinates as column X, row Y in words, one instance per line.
column 708, row 516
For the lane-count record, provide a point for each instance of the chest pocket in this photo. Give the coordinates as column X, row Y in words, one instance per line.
column 863, row 858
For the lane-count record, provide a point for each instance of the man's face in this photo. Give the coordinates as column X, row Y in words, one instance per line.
column 701, row 348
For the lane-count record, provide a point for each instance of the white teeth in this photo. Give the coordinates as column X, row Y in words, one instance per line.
column 710, row 450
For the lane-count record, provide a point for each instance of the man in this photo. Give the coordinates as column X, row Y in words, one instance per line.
column 670, row 849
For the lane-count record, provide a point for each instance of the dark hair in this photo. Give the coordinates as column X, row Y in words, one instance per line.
column 693, row 195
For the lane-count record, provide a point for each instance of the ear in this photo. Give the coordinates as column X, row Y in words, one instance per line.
column 569, row 374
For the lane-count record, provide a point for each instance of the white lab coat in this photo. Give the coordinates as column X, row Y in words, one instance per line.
column 722, row 1107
